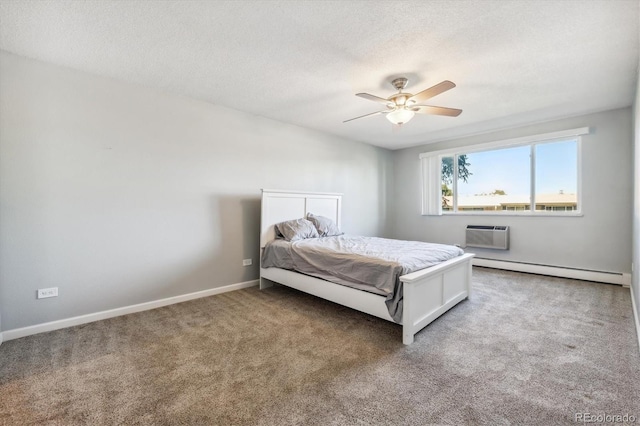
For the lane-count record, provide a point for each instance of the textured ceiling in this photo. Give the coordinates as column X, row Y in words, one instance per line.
column 301, row 62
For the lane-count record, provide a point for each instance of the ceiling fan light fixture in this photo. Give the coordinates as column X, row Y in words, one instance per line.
column 400, row 116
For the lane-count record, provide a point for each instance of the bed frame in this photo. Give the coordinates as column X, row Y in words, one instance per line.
column 427, row 293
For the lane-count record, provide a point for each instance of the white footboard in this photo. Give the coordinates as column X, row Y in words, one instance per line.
column 429, row 293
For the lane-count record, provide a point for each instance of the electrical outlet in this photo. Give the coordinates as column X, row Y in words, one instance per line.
column 247, row 262
column 43, row 293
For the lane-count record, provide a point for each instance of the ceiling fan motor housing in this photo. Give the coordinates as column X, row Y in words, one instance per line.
column 400, row 83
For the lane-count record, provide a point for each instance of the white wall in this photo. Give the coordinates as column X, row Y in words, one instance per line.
column 118, row 194
column 599, row 240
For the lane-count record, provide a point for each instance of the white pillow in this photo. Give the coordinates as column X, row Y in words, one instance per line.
column 298, row 229
column 326, row 227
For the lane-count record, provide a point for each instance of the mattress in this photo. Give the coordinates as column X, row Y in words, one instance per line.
column 366, row 263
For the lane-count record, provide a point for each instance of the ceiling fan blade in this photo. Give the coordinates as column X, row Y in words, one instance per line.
column 436, row 110
column 366, row 115
column 373, row 98
column 432, row 91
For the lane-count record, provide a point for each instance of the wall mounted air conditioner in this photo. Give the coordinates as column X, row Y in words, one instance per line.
column 493, row 237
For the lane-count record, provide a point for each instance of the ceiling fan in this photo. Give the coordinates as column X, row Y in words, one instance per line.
column 402, row 106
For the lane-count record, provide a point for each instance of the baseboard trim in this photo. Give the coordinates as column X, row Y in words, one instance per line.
column 634, row 306
column 125, row 310
column 555, row 271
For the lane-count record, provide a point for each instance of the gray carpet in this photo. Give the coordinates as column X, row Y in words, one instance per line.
column 525, row 350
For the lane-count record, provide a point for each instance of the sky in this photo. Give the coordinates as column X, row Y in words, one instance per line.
column 510, row 170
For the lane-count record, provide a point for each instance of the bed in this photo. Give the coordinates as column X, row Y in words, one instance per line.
column 426, row 294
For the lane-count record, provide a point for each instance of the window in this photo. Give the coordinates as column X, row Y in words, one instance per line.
column 556, row 187
column 528, row 176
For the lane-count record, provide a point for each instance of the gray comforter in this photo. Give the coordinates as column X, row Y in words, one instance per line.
column 374, row 264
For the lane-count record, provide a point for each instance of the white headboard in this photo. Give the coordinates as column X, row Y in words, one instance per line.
column 278, row 206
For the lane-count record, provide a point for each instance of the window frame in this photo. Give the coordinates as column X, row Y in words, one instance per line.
column 432, row 167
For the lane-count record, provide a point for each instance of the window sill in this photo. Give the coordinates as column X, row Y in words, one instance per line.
column 515, row 214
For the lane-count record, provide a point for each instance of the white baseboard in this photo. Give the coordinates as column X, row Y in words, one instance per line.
column 635, row 306
column 556, row 271
column 97, row 316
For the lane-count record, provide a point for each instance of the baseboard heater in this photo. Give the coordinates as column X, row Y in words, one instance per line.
column 493, row 237
column 619, row 278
